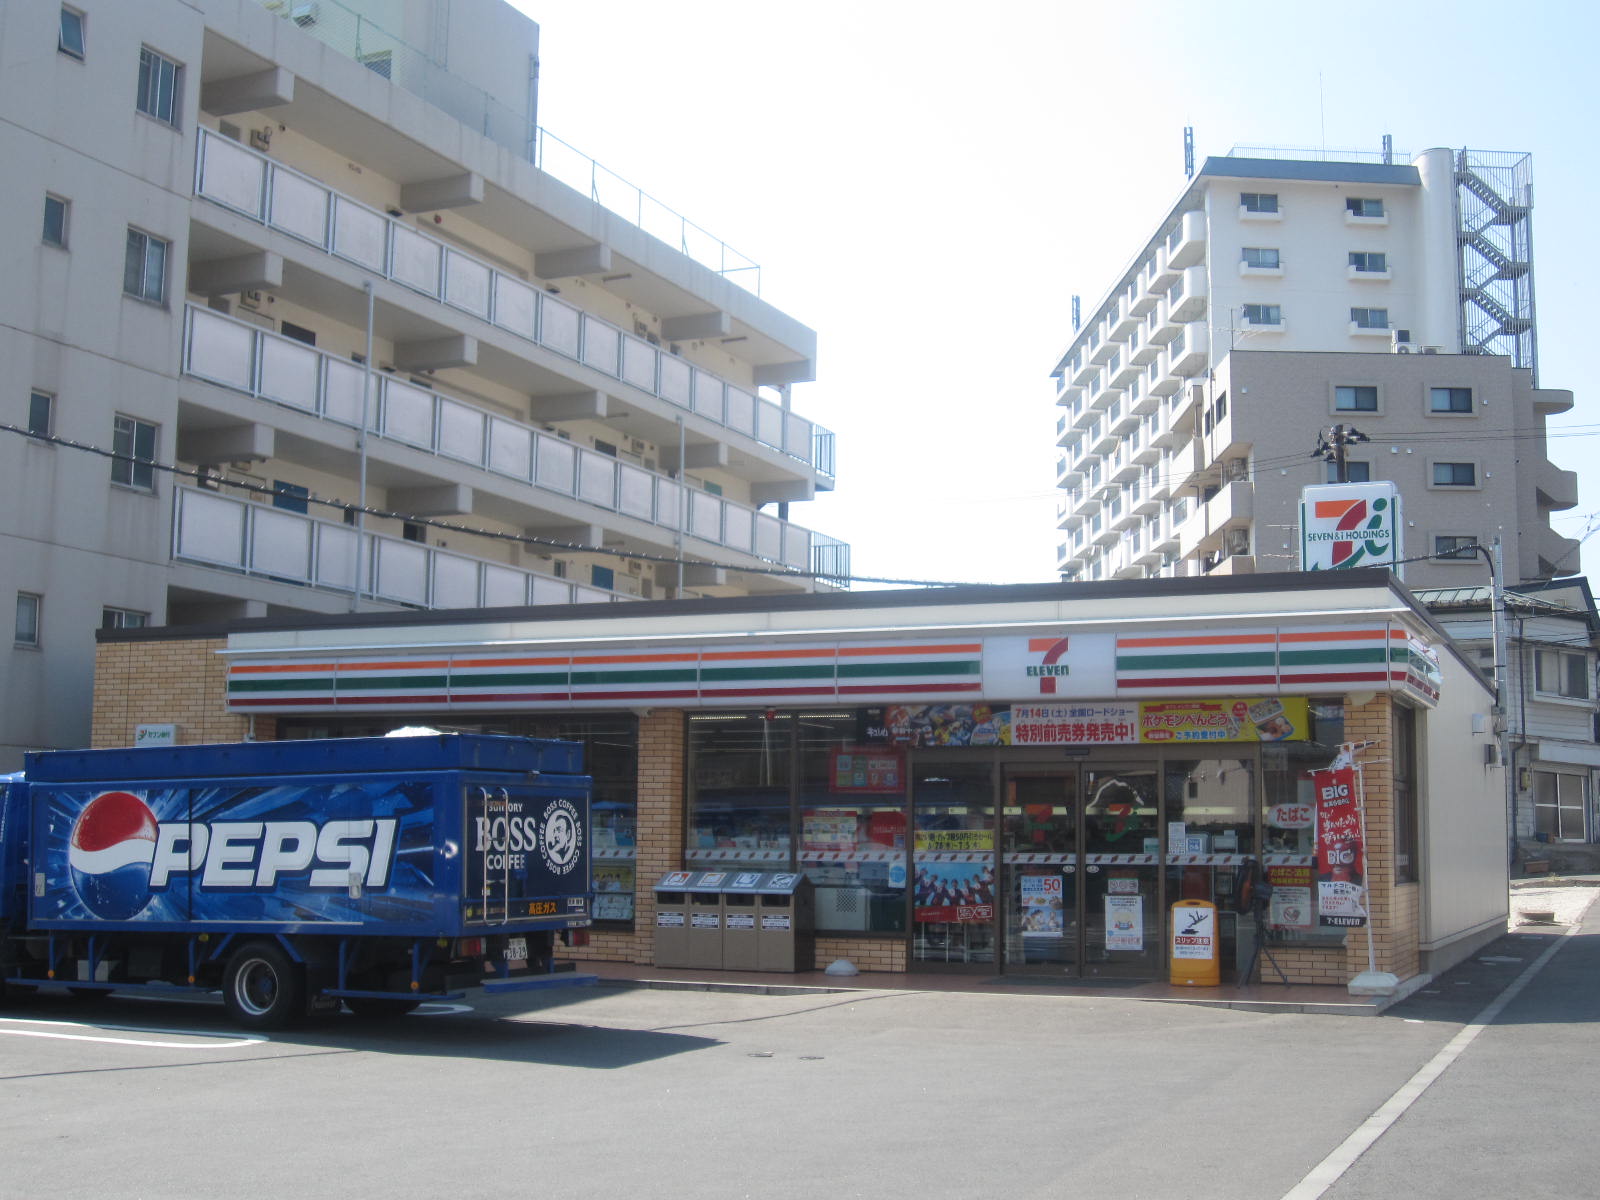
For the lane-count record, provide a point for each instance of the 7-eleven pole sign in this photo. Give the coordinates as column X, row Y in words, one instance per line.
column 1346, row 525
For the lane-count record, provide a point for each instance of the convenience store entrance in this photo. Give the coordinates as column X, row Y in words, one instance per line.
column 1039, row 870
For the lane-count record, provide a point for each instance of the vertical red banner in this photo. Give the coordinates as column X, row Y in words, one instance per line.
column 1341, row 857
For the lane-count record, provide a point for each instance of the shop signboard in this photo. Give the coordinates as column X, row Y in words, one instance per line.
column 1340, row 857
column 1194, row 932
column 1124, row 922
column 1345, row 525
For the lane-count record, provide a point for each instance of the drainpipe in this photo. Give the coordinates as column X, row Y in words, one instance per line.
column 361, row 454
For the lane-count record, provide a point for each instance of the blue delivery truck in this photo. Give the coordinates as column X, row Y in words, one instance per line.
column 296, row 876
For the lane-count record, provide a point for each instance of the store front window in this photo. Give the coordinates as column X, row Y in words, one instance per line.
column 804, row 791
column 741, row 782
column 1289, row 837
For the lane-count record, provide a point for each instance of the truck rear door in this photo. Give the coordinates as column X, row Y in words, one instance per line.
column 530, row 854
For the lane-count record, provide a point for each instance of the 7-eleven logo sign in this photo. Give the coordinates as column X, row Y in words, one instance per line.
column 1049, row 668
column 1349, row 525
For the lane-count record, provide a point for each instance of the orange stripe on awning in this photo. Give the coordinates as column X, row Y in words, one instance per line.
column 1237, row 639
column 1338, row 635
column 585, row 659
column 741, row 655
column 423, row 665
column 276, row 668
column 864, row 651
column 558, row 661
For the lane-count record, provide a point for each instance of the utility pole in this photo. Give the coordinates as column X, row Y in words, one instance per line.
column 1331, row 443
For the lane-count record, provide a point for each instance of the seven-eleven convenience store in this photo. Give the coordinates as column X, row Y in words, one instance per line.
column 1005, row 780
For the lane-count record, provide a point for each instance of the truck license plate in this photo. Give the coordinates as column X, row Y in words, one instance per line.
column 517, row 948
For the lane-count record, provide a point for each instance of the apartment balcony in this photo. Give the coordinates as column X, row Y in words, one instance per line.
column 1556, row 489
column 1101, row 440
column 1190, row 358
column 222, row 532
column 1189, row 302
column 1068, row 395
column 1084, row 369
column 1548, row 402
column 1186, row 244
column 1122, row 322
column 324, row 390
column 1146, row 497
column 1165, row 382
column 511, row 315
column 1103, row 395
column 1163, row 273
column 1126, row 373
column 1123, row 420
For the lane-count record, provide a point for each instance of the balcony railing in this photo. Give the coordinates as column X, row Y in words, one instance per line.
column 356, row 36
column 289, row 202
column 257, row 539
column 242, row 357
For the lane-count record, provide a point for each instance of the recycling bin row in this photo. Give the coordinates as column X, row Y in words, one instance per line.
column 735, row 921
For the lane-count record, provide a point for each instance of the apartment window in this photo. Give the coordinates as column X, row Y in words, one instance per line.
column 603, row 577
column 414, row 531
column 1450, row 400
column 1259, row 202
column 1559, row 673
column 55, row 221
column 1355, row 398
column 1354, row 472
column 1369, row 318
column 26, row 632
column 70, row 40
column 1455, row 546
column 144, row 269
column 135, row 441
column 158, row 86
column 123, row 618
column 1369, row 260
column 291, row 497
column 1261, row 258
column 1558, row 804
column 1263, row 314
column 1455, row 474
column 41, row 413
column 1359, row 207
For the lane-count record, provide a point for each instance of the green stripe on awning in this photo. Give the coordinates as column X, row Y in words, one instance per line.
column 1369, row 654
column 677, row 675
column 724, row 674
column 323, row 683
column 511, row 679
column 1191, row 662
column 870, row 670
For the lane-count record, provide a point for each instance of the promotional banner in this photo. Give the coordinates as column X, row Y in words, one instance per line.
column 1341, row 864
column 1160, row 722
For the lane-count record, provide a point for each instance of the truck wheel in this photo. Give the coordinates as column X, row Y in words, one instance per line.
column 262, row 989
column 379, row 1008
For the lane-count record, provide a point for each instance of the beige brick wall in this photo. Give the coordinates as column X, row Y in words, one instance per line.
column 177, row 682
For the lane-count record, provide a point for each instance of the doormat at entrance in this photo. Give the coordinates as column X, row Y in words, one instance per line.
column 1052, row 981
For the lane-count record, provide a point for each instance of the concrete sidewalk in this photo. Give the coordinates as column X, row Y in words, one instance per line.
column 1564, row 897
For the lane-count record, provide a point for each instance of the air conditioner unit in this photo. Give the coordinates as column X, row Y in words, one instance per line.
column 250, row 299
column 1238, row 541
column 1400, row 341
column 1433, row 350
column 1400, row 348
column 635, row 567
column 637, row 445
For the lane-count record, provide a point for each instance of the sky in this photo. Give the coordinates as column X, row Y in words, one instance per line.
column 928, row 184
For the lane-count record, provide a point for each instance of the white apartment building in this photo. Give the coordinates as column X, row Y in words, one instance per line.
column 301, row 318
column 1285, row 295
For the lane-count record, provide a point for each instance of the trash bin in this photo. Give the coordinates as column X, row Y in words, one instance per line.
column 786, row 924
column 740, row 906
column 705, row 919
column 672, row 919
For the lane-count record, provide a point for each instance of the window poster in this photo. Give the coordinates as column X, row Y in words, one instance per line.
column 829, row 828
column 1290, row 906
column 1341, row 861
column 1124, row 922
column 954, row 892
column 1042, row 909
column 874, row 769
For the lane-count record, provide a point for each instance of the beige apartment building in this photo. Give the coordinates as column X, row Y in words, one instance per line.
column 306, row 315
column 1283, row 295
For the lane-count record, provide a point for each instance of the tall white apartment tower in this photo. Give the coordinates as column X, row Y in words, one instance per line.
column 1284, row 295
column 291, row 287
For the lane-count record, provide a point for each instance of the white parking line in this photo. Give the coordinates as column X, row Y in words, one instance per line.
column 55, row 1030
column 1327, row 1172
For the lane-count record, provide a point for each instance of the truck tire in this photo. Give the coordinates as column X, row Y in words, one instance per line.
column 379, row 1008
column 262, row 988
